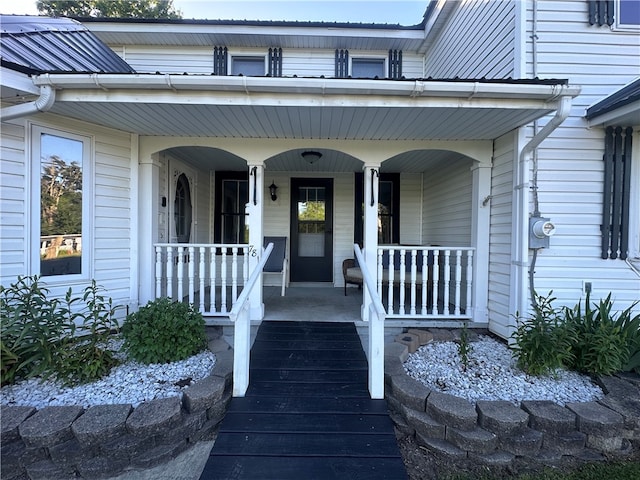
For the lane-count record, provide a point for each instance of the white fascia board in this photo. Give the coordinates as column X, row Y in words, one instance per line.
column 18, row 81
column 628, row 115
column 310, row 86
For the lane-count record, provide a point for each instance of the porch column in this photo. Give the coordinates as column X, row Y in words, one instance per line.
column 370, row 228
column 255, row 212
column 480, row 225
column 148, row 219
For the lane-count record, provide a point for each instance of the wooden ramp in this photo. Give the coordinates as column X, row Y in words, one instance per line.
column 307, row 413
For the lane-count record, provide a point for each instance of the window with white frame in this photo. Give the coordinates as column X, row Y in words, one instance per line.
column 60, row 204
column 367, row 67
column 628, row 15
column 250, row 66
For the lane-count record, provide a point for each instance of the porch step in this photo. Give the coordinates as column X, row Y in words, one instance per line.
column 307, row 412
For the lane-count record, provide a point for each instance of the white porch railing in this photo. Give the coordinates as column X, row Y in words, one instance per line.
column 375, row 317
column 205, row 275
column 426, row 282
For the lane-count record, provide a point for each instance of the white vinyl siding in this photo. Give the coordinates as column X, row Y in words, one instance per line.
column 300, row 62
column 13, row 203
column 501, row 231
column 447, row 205
column 477, row 42
column 112, row 257
column 570, row 174
column 410, row 209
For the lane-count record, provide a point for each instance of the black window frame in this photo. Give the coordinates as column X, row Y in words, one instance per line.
column 220, row 178
column 359, row 185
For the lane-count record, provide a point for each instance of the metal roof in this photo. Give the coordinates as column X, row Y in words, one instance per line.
column 35, row 45
column 617, row 100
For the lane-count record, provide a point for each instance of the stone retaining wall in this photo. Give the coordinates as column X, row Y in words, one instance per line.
column 497, row 433
column 106, row 440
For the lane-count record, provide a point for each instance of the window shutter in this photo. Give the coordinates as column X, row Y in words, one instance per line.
column 275, row 62
column 395, row 64
column 342, row 63
column 219, row 60
column 617, row 189
column 601, row 12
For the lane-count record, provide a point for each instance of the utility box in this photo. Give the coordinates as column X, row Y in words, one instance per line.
column 540, row 229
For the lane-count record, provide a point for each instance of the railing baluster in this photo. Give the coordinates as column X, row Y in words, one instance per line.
column 425, row 281
column 234, row 274
column 436, row 281
column 213, row 255
column 202, row 275
column 191, row 273
column 159, row 272
column 390, row 269
column 245, row 266
column 414, row 271
column 467, row 308
column 170, row 272
column 180, row 274
column 380, row 270
column 458, row 279
column 447, row 281
column 223, row 281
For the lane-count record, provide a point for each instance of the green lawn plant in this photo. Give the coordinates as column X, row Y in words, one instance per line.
column 164, row 331
column 464, row 347
column 543, row 342
column 48, row 336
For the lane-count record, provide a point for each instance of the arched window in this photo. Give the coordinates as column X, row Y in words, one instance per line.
column 182, row 210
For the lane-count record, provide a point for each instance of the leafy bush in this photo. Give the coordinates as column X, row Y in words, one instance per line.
column 604, row 345
column 44, row 336
column 543, row 342
column 164, row 331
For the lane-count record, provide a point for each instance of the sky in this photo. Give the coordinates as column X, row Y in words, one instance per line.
column 403, row 12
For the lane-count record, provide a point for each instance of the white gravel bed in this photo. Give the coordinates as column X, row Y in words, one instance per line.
column 492, row 375
column 129, row 382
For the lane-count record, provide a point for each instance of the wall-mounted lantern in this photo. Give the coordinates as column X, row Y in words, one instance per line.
column 273, row 188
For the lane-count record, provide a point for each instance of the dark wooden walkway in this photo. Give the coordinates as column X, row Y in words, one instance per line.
column 307, row 413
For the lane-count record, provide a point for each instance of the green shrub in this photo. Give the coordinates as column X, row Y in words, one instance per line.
column 604, row 344
column 543, row 342
column 44, row 336
column 164, row 331
column 464, row 347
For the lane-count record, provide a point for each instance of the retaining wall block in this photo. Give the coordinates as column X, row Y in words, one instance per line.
column 49, row 426
column 190, row 423
column 595, row 419
column 158, row 454
column 203, row 394
column 155, row 417
column 401, row 425
column 10, row 419
column 524, row 442
column 410, row 392
column 411, row 340
column 424, row 336
column 10, row 465
column 101, row 423
column 630, row 410
column 70, row 453
column 501, row 417
column 549, row 417
column 397, row 351
column 47, row 470
column 441, row 447
column 496, row 459
column 477, row 440
column 453, row 411
column 207, row 432
column 224, row 366
column 570, row 443
column 102, row 467
column 393, row 367
column 219, row 409
column 619, row 388
column 423, row 423
column 126, row 447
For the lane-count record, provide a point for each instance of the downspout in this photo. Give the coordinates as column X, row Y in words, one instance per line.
column 44, row 103
column 560, row 116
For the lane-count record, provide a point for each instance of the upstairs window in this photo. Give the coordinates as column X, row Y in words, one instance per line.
column 249, row 66
column 367, row 68
column 628, row 14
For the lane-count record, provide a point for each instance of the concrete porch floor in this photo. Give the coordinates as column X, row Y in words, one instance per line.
column 312, row 302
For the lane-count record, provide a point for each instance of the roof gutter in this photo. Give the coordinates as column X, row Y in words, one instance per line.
column 42, row 104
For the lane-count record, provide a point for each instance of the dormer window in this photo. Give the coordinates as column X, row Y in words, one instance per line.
column 250, row 66
column 367, row 68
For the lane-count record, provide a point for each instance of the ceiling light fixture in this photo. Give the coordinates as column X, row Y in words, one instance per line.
column 311, row 156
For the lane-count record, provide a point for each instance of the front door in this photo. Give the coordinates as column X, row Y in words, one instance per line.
column 311, row 230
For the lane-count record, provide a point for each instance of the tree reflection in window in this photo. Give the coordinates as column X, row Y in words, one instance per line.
column 60, row 205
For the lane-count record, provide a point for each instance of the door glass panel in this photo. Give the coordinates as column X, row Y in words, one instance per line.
column 311, row 221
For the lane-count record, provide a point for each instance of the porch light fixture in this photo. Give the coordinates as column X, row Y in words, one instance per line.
column 311, row 156
column 273, row 188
